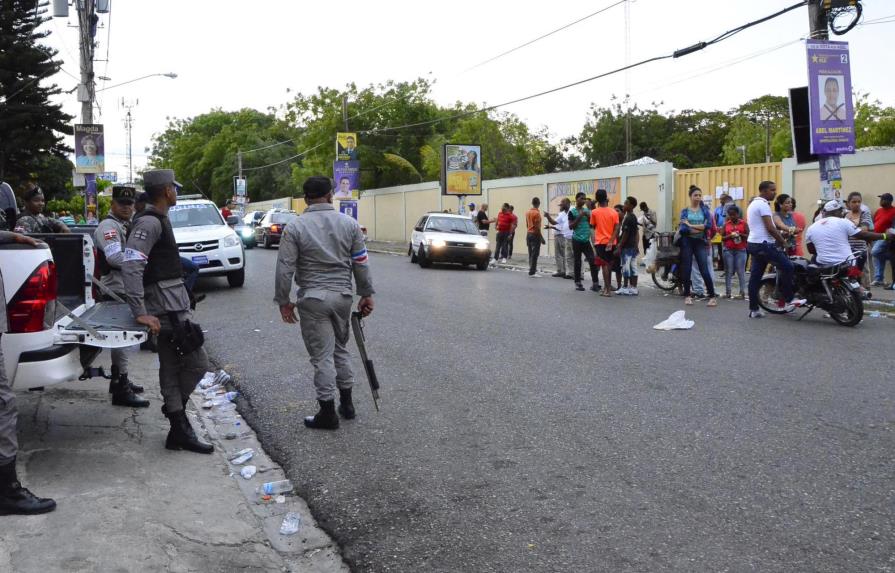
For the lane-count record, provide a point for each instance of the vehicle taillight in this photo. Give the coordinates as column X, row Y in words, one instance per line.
column 33, row 308
column 274, row 228
column 853, row 272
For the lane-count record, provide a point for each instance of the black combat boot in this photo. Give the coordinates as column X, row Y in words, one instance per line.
column 326, row 418
column 16, row 500
column 123, row 394
column 182, row 436
column 346, row 406
column 116, row 376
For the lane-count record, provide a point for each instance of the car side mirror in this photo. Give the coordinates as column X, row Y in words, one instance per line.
column 483, row 233
column 232, row 220
column 418, row 228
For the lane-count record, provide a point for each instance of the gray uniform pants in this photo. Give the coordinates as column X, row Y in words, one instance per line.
column 564, row 255
column 325, row 330
column 178, row 375
column 9, row 444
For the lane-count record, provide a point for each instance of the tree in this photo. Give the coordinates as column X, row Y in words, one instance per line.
column 874, row 124
column 749, row 128
column 30, row 125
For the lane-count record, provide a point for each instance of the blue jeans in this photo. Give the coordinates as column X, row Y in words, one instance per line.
column 762, row 255
column 190, row 273
column 693, row 247
column 880, row 254
column 735, row 262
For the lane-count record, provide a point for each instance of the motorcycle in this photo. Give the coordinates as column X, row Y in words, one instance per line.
column 835, row 289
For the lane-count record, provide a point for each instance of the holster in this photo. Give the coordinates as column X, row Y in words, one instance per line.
column 186, row 336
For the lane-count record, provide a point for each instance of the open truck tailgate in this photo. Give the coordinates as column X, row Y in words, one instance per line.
column 107, row 324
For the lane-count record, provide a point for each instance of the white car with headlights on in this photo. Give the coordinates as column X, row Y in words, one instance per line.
column 204, row 237
column 448, row 238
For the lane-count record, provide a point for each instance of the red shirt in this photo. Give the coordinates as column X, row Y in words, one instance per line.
column 225, row 212
column 505, row 222
column 603, row 220
column 883, row 219
column 739, row 227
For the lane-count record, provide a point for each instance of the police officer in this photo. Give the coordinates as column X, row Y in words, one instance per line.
column 34, row 221
column 153, row 282
column 14, row 499
column 9, row 211
column 322, row 249
column 109, row 239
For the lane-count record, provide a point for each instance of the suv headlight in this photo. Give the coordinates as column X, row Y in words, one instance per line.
column 230, row 241
column 482, row 245
column 436, row 242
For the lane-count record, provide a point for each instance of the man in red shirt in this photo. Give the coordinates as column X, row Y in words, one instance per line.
column 604, row 219
column 505, row 227
column 225, row 210
column 534, row 238
column 883, row 220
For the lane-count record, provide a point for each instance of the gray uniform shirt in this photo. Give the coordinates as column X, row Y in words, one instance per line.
column 157, row 299
column 321, row 249
column 110, row 237
column 7, row 201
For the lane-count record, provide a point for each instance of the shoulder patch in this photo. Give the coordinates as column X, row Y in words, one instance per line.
column 110, row 235
column 141, row 234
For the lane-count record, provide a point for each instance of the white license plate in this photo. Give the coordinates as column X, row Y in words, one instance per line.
column 203, row 260
column 854, row 285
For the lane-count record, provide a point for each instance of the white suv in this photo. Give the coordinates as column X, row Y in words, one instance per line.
column 205, row 238
column 447, row 238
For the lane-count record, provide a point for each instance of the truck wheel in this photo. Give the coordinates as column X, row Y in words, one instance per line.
column 237, row 278
column 266, row 241
column 421, row 258
column 412, row 255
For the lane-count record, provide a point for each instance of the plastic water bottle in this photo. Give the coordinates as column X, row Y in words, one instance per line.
column 242, row 456
column 235, row 432
column 231, row 396
column 275, row 487
column 291, row 524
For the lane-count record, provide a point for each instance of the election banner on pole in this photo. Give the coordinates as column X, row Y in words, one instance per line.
column 348, row 208
column 346, row 146
column 346, row 178
column 461, row 169
column 89, row 148
column 832, row 116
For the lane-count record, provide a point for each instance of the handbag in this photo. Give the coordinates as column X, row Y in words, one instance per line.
column 186, row 336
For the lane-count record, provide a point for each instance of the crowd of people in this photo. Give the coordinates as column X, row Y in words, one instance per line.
column 721, row 240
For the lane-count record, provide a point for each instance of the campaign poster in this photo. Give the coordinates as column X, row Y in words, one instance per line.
column 346, row 146
column 830, row 98
column 346, row 179
column 556, row 191
column 461, row 169
column 830, row 178
column 89, row 148
column 348, row 208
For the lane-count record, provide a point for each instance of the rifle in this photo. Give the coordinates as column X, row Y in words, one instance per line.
column 361, row 341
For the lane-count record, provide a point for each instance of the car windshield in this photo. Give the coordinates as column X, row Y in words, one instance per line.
column 194, row 215
column 282, row 218
column 451, row 225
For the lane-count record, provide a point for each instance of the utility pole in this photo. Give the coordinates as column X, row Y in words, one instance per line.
column 345, row 110
column 817, row 28
column 767, row 141
column 128, row 126
column 87, row 20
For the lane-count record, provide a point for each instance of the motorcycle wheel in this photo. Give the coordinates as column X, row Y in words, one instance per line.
column 767, row 299
column 664, row 277
column 852, row 305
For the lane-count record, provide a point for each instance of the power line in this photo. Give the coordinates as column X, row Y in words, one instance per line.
column 676, row 54
column 305, row 152
column 541, row 37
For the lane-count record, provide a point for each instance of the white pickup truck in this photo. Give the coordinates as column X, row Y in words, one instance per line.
column 56, row 328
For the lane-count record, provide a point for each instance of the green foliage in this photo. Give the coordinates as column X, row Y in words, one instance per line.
column 31, row 145
column 874, row 124
column 749, row 128
column 75, row 205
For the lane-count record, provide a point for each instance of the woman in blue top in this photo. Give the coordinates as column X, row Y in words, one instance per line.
column 695, row 224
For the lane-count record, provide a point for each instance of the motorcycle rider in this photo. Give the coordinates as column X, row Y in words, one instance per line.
column 827, row 239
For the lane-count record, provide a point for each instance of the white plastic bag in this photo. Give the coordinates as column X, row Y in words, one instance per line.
column 649, row 258
column 677, row 321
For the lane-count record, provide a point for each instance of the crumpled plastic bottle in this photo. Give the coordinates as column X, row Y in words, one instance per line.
column 291, row 524
column 248, row 471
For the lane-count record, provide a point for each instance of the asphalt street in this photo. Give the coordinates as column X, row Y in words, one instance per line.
column 529, row 427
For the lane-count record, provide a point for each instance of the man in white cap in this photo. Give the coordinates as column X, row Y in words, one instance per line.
column 827, row 239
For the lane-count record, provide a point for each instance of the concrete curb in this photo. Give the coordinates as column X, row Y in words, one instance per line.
column 309, row 550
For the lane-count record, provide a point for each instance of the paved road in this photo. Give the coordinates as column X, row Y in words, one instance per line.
column 527, row 427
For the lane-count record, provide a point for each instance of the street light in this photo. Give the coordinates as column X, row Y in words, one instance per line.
column 171, row 75
column 742, row 149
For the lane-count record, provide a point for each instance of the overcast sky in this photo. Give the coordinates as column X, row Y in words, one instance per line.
column 233, row 54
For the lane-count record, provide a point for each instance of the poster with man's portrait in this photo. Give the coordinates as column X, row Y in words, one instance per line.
column 346, row 179
column 346, row 146
column 832, row 116
column 832, row 99
column 89, row 148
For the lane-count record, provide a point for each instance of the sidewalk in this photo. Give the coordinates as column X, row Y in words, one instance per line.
column 125, row 503
column 883, row 298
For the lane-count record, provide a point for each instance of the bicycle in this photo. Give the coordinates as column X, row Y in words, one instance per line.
column 666, row 273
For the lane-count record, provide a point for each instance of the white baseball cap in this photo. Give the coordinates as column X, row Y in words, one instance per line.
column 833, row 205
